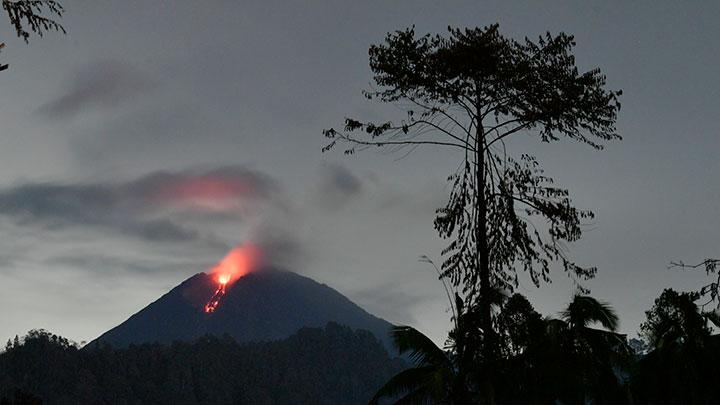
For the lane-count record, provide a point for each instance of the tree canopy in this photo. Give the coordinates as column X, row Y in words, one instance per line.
column 329, row 365
column 471, row 90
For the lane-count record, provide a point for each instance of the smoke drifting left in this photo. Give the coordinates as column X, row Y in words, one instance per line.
column 158, row 223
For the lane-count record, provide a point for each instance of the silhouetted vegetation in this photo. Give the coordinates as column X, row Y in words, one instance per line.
column 711, row 290
column 471, row 91
column 315, row 366
column 30, row 16
column 682, row 366
column 576, row 359
column 27, row 16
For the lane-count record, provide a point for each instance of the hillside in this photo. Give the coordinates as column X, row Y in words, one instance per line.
column 329, row 365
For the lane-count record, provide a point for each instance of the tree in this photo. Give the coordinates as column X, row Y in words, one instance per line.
column 440, row 376
column 710, row 290
column 433, row 376
column 471, row 91
column 681, row 367
column 675, row 319
column 520, row 324
column 568, row 360
column 27, row 16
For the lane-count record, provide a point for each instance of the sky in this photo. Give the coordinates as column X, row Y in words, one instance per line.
column 155, row 136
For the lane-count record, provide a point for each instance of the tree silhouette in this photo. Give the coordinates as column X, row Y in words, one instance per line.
column 519, row 325
column 675, row 319
column 433, row 376
column 471, row 91
column 681, row 368
column 440, row 376
column 27, row 16
column 710, row 290
column 566, row 359
column 330, row 365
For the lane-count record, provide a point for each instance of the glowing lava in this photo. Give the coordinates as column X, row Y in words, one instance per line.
column 215, row 300
column 237, row 263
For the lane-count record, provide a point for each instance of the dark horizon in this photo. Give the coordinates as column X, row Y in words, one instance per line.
column 109, row 126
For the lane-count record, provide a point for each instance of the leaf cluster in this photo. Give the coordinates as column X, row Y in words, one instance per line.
column 26, row 16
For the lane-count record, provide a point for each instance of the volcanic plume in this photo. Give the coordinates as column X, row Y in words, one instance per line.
column 237, row 263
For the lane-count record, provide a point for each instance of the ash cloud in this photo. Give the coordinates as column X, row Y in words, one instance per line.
column 140, row 208
column 104, row 264
column 156, row 224
column 280, row 246
column 105, row 84
column 338, row 186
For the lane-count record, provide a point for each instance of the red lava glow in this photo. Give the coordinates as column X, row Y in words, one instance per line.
column 213, row 192
column 237, row 263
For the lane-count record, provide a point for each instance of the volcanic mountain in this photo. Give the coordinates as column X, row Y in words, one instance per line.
column 267, row 304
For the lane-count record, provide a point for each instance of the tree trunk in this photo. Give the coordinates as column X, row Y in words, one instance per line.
column 482, row 260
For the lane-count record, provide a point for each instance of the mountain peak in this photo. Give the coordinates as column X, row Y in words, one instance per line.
column 268, row 304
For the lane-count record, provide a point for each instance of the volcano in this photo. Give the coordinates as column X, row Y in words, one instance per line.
column 268, row 304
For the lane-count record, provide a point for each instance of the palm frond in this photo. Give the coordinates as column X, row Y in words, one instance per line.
column 423, row 351
column 421, row 396
column 713, row 317
column 584, row 310
column 413, row 380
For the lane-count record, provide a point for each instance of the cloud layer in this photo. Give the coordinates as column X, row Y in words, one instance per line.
column 104, row 84
column 149, row 208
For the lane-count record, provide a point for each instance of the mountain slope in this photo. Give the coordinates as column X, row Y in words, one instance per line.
column 264, row 305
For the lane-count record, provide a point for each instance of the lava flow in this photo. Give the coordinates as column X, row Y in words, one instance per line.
column 215, row 300
column 237, row 263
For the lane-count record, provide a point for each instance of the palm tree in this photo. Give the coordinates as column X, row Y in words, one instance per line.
column 430, row 379
column 438, row 376
column 585, row 310
column 573, row 362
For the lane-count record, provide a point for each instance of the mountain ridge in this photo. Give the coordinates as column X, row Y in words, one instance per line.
column 264, row 305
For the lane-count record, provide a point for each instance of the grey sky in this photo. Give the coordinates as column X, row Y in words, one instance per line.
column 242, row 90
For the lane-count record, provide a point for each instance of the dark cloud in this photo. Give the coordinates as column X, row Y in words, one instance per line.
column 392, row 300
column 158, row 132
column 104, row 84
column 139, row 208
column 338, row 186
column 280, row 245
column 104, row 264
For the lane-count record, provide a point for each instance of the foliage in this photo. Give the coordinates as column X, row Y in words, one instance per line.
column 673, row 319
column 430, row 379
column 681, row 368
column 441, row 376
column 470, row 91
column 585, row 310
column 544, row 360
column 520, row 325
column 710, row 290
column 326, row 365
column 26, row 16
column 563, row 359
